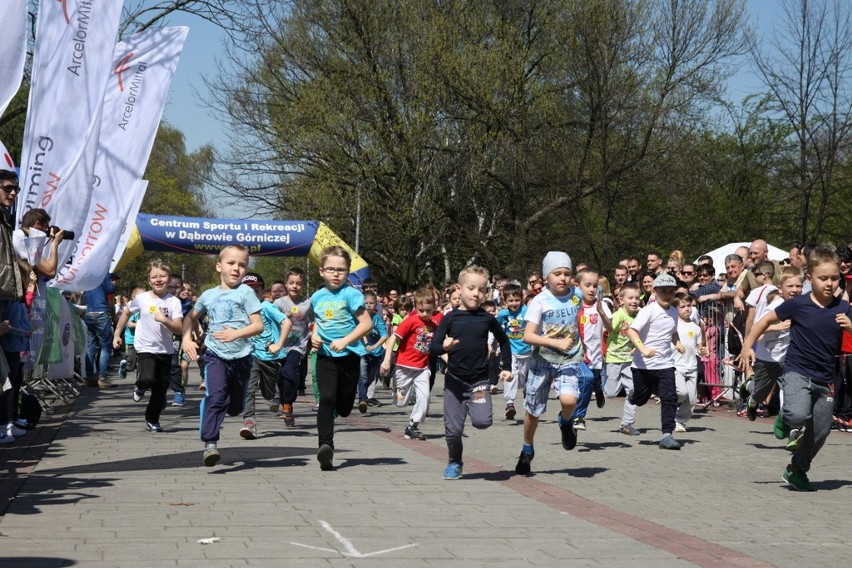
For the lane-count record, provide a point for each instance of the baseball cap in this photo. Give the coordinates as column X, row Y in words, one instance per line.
column 253, row 279
column 665, row 280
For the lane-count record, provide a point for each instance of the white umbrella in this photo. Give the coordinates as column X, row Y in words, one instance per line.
column 718, row 255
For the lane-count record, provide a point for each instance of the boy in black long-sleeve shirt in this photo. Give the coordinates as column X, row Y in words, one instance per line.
column 463, row 335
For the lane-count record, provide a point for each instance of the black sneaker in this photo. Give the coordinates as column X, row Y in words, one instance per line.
column 374, row 402
column 751, row 411
column 412, row 433
column 324, row 457
column 510, row 412
column 569, row 435
column 362, row 406
column 153, row 426
column 524, row 461
column 600, row 399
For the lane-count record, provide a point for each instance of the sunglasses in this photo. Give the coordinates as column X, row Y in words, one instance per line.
column 11, row 188
column 687, row 272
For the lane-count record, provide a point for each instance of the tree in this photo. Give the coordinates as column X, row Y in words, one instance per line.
column 473, row 131
column 807, row 68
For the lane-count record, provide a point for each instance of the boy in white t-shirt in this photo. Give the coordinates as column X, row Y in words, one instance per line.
column 593, row 314
column 770, row 349
column 686, row 361
column 160, row 317
column 652, row 333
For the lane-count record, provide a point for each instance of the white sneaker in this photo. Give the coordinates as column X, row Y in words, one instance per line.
column 679, row 427
column 5, row 438
column 14, row 431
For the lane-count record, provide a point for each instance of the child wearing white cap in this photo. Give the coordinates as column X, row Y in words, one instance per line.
column 553, row 332
column 653, row 333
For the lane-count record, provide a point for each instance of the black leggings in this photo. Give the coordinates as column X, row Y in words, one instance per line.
column 337, row 379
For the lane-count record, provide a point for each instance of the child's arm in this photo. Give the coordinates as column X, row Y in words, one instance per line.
column 387, row 362
column 679, row 347
column 255, row 327
column 173, row 325
column 634, row 338
column 605, row 319
column 365, row 324
column 286, row 326
column 844, row 321
column 746, row 356
column 501, row 339
column 382, row 330
column 187, row 344
column 119, row 327
column 532, row 338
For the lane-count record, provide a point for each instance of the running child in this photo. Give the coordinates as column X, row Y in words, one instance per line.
column 818, row 320
column 592, row 317
column 652, row 333
column 233, row 316
column 771, row 347
column 463, row 336
column 160, row 317
column 291, row 377
column 686, row 361
column 512, row 319
column 411, row 370
column 552, row 329
column 340, row 322
column 128, row 362
column 374, row 343
column 619, row 355
column 266, row 355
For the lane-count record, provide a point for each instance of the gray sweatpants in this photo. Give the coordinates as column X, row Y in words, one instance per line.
column 461, row 399
column 807, row 404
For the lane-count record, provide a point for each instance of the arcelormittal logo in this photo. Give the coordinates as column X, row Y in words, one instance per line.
column 122, row 67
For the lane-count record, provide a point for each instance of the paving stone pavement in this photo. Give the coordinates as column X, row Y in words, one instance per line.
column 94, row 488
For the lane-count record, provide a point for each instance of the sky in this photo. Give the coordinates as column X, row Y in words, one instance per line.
column 200, row 125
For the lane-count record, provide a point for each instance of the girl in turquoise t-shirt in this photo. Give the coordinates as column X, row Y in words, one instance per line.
column 340, row 321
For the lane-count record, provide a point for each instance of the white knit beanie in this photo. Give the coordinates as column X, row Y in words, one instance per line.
column 553, row 260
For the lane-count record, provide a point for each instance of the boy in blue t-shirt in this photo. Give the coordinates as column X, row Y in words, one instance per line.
column 552, row 329
column 267, row 354
column 374, row 342
column 233, row 315
column 512, row 319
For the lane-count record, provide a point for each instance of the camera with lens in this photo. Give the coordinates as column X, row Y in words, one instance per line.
column 66, row 235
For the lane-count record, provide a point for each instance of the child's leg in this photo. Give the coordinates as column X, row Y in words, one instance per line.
column 510, row 389
column 686, row 393
column 327, row 379
column 363, row 378
column 479, row 405
column 347, row 383
column 764, row 379
column 288, row 377
column 314, row 382
column 667, row 392
column 586, row 386
column 131, row 358
column 455, row 412
column 642, row 379
column 154, row 371
column 569, row 386
column 268, row 378
column 403, row 384
column 251, row 390
column 628, row 412
column 421, row 399
column 238, row 371
column 216, row 398
column 810, row 405
column 539, row 379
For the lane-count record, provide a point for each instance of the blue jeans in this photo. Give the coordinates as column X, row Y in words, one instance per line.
column 370, row 365
column 98, row 338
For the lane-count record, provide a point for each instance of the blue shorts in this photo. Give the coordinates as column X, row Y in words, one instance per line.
column 542, row 374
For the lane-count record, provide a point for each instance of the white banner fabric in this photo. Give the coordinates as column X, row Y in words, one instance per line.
column 75, row 40
column 139, row 190
column 6, row 161
column 13, row 49
column 143, row 68
column 65, row 368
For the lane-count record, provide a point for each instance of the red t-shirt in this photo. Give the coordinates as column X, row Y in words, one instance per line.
column 846, row 346
column 415, row 335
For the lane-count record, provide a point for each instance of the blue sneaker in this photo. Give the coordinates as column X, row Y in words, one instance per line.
column 453, row 471
column 179, row 399
column 122, row 369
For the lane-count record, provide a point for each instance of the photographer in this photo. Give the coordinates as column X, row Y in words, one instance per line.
column 36, row 223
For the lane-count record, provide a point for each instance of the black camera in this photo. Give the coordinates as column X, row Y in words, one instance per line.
column 66, row 235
